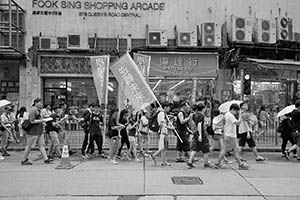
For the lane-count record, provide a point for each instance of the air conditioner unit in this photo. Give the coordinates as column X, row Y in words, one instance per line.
column 241, row 29
column 77, row 41
column 284, row 28
column 297, row 36
column 187, row 38
column 48, row 43
column 264, row 31
column 210, row 34
column 157, row 39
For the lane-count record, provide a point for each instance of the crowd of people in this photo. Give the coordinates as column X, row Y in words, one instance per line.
column 229, row 131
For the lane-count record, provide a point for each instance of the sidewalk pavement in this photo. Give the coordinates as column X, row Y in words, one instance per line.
column 99, row 179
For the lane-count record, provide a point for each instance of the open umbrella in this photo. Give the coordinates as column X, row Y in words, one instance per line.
column 286, row 110
column 4, row 102
column 224, row 107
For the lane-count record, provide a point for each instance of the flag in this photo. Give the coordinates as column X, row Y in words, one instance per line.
column 143, row 63
column 132, row 82
column 100, row 74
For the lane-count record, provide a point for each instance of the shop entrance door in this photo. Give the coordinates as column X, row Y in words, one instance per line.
column 54, row 96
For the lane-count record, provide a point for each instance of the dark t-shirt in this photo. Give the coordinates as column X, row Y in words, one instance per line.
column 37, row 129
column 123, row 131
column 198, row 118
column 132, row 132
column 182, row 128
column 50, row 126
column 296, row 120
column 111, row 123
column 94, row 127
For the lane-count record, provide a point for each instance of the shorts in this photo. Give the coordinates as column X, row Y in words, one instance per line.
column 229, row 143
column 184, row 145
column 217, row 137
column 54, row 137
column 131, row 138
column 200, row 146
column 163, row 141
column 243, row 140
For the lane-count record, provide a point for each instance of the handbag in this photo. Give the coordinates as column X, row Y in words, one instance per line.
column 26, row 125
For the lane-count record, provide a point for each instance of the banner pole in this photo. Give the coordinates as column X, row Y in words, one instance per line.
column 106, row 96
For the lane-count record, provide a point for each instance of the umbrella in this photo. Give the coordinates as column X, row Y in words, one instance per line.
column 224, row 107
column 4, row 102
column 286, row 110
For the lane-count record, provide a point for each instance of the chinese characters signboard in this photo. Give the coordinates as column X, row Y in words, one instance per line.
column 183, row 64
column 132, row 82
column 143, row 63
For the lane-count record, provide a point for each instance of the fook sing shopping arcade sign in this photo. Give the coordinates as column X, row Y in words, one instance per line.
column 95, row 8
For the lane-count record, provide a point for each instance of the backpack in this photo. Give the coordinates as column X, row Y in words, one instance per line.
column 153, row 122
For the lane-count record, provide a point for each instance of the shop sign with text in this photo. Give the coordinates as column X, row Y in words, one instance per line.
column 186, row 64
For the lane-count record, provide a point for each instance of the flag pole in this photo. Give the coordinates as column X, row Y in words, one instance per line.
column 106, row 96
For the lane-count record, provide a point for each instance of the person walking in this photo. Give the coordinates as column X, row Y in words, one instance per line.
column 113, row 135
column 263, row 120
column 132, row 133
column 163, row 133
column 295, row 115
column 86, row 120
column 36, row 132
column 182, row 123
column 285, row 129
column 7, row 128
column 200, row 140
column 245, row 135
column 95, row 131
column 143, row 132
column 123, row 119
column 53, row 129
column 230, row 129
column 21, row 116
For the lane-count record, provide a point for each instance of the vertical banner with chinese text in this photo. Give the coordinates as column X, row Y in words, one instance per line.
column 132, row 82
column 143, row 63
column 100, row 74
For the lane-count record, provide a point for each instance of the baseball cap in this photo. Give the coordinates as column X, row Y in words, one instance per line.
column 36, row 100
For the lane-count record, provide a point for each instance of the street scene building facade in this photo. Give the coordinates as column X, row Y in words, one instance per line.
column 198, row 49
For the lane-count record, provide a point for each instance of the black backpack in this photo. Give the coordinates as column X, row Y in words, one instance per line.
column 153, row 122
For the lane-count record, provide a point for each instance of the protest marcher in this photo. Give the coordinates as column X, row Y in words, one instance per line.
column 132, row 135
column 21, row 116
column 230, row 129
column 123, row 119
column 85, row 125
column 46, row 112
column 95, row 131
column 163, row 132
column 218, row 123
column 143, row 132
column 113, row 135
column 36, row 132
column 245, row 135
column 200, row 140
column 285, row 129
column 6, row 132
column 295, row 115
column 182, row 124
column 53, row 128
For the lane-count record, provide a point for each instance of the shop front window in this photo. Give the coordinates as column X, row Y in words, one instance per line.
column 76, row 92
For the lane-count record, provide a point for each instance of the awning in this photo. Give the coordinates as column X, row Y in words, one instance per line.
column 9, row 53
column 271, row 69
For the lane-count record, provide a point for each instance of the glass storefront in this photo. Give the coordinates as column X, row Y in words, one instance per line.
column 76, row 92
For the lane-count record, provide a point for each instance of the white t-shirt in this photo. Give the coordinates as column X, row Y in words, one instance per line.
column 230, row 126
column 161, row 118
column 244, row 126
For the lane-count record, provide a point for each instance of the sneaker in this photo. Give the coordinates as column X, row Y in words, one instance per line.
column 179, row 160
column 26, row 162
column 261, row 159
column 208, row 165
column 128, row 158
column 5, row 154
column 1, row 157
column 228, row 161
column 138, row 160
column 71, row 152
column 243, row 160
column 165, row 164
column 283, row 155
column 287, row 155
column 219, row 166
column 48, row 161
column 119, row 157
column 295, row 156
column 102, row 155
column 243, row 167
column 84, row 157
column 153, row 159
column 114, row 162
column 190, row 165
